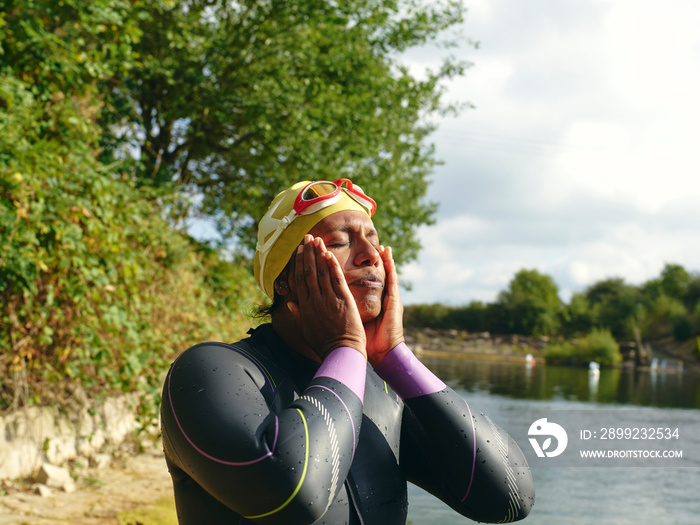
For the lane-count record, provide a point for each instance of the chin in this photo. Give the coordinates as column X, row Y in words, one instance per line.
column 370, row 306
column 369, row 316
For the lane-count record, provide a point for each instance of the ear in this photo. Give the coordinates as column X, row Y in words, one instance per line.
column 282, row 285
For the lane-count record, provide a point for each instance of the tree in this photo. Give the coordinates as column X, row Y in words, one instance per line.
column 96, row 289
column 577, row 316
column 532, row 304
column 675, row 281
column 233, row 101
column 614, row 305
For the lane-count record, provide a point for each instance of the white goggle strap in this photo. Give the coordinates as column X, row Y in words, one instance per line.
column 367, row 205
column 264, row 249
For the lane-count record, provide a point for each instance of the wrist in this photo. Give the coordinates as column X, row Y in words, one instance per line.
column 346, row 365
column 344, row 342
column 406, row 374
column 376, row 356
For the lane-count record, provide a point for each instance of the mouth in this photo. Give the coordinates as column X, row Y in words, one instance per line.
column 369, row 281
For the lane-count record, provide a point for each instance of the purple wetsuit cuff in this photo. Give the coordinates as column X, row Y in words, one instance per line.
column 348, row 366
column 406, row 374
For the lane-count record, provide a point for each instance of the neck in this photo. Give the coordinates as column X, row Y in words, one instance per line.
column 286, row 328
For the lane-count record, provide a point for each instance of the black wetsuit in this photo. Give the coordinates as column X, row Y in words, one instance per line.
column 254, row 432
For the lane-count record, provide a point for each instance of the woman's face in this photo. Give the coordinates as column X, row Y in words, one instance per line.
column 352, row 238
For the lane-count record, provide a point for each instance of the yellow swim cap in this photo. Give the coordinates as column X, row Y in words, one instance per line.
column 292, row 214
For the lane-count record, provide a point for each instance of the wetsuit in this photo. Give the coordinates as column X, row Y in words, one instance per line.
column 253, row 432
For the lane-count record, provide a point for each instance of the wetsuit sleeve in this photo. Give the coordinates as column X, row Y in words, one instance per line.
column 454, row 452
column 275, row 467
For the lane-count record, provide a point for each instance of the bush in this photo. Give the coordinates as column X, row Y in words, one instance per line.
column 663, row 314
column 601, row 347
column 96, row 288
column 531, row 304
column 682, row 327
column 598, row 346
column 565, row 352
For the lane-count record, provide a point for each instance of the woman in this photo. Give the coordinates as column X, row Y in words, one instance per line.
column 324, row 414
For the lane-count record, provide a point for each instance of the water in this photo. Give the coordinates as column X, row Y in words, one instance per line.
column 582, row 495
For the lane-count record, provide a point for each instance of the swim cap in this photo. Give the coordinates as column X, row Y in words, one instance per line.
column 267, row 268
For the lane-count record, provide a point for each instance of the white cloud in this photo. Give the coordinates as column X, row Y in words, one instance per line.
column 581, row 157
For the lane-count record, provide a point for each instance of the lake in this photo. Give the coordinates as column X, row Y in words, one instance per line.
column 613, row 491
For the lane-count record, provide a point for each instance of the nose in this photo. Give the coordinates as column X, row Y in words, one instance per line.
column 367, row 254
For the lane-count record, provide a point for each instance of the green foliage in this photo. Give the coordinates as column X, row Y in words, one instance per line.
column 577, row 317
column 662, row 313
column 97, row 289
column 427, row 316
column 95, row 286
column 64, row 48
column 471, row 317
column 563, row 352
column 237, row 100
column 613, row 303
column 692, row 296
column 531, row 304
column 682, row 327
column 675, row 281
column 599, row 346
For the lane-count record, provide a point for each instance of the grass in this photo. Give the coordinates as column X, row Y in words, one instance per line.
column 161, row 512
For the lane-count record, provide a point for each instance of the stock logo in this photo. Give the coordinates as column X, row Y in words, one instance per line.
column 542, row 428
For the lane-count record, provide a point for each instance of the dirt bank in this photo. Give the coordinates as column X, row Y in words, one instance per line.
column 131, row 490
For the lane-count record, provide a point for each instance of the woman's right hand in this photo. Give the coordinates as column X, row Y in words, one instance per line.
column 325, row 310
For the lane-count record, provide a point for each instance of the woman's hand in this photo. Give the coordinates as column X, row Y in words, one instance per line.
column 325, row 310
column 386, row 331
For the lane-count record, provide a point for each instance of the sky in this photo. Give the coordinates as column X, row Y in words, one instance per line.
column 581, row 158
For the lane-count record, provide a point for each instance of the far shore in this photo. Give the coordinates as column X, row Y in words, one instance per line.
column 483, row 346
column 480, row 356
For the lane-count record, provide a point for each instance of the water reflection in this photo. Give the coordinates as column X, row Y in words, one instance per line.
column 612, row 385
column 514, row 395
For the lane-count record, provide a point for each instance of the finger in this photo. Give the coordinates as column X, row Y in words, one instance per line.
column 392, row 278
column 392, row 297
column 323, row 270
column 311, row 267
column 296, row 313
column 337, row 278
column 299, row 280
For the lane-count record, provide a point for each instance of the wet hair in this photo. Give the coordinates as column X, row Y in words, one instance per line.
column 267, row 310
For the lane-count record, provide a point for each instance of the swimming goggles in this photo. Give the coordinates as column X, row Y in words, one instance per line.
column 320, row 194
column 314, row 197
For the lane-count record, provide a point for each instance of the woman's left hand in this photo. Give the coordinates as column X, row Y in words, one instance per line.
column 386, row 331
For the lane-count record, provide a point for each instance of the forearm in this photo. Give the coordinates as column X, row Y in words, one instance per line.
column 455, row 452
column 318, row 436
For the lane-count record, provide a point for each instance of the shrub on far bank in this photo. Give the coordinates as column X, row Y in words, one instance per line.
column 598, row 346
